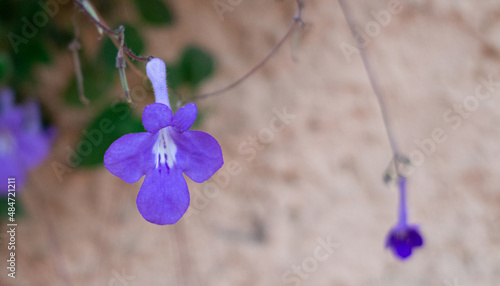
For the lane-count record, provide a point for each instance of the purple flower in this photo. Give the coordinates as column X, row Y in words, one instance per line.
column 163, row 153
column 403, row 237
column 23, row 142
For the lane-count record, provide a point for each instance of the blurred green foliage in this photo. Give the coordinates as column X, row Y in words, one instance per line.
column 194, row 66
column 119, row 120
column 29, row 37
column 6, row 68
column 27, row 44
column 135, row 42
column 155, row 12
column 97, row 81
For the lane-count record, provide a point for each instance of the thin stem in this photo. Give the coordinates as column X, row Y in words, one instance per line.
column 297, row 19
column 403, row 217
column 74, row 46
column 373, row 82
column 121, row 64
column 134, row 56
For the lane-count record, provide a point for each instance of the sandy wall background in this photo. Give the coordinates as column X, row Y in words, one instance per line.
column 319, row 178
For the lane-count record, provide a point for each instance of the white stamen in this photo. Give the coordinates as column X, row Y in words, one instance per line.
column 164, row 149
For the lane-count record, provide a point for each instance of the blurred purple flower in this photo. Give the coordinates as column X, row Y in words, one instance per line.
column 403, row 237
column 163, row 153
column 23, row 142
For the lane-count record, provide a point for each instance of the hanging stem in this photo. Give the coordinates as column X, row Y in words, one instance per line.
column 383, row 108
column 297, row 22
column 74, row 46
column 121, row 64
column 374, row 84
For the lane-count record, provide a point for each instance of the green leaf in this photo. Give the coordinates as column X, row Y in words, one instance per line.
column 155, row 12
column 175, row 76
column 196, row 65
column 61, row 37
column 133, row 40
column 106, row 128
column 107, row 55
column 97, row 81
column 28, row 55
column 5, row 67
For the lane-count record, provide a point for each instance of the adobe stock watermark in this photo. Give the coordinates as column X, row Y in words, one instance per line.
column 94, row 137
column 322, row 252
column 120, row 278
column 363, row 36
column 454, row 117
column 38, row 20
column 247, row 148
column 223, row 6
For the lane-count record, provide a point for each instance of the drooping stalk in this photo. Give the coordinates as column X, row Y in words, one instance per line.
column 403, row 217
column 373, row 81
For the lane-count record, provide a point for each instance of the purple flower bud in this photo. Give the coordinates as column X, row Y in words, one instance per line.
column 403, row 237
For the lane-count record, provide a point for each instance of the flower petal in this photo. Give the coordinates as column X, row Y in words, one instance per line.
column 164, row 196
column 414, row 238
column 10, row 167
column 185, row 117
column 199, row 155
column 11, row 116
column 6, row 99
column 32, row 121
column 402, row 240
column 157, row 74
column 402, row 250
column 130, row 157
column 31, row 154
column 156, row 116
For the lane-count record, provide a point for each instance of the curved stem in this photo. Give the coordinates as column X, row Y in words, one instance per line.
column 134, row 56
column 113, row 35
column 297, row 19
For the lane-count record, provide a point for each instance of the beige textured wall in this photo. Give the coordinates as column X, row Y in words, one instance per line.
column 320, row 178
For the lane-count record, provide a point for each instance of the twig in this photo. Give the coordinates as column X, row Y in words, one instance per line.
column 297, row 19
column 113, row 33
column 74, row 46
column 121, row 64
column 134, row 56
column 102, row 25
column 96, row 22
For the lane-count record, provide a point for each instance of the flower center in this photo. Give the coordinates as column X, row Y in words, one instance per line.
column 164, row 149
